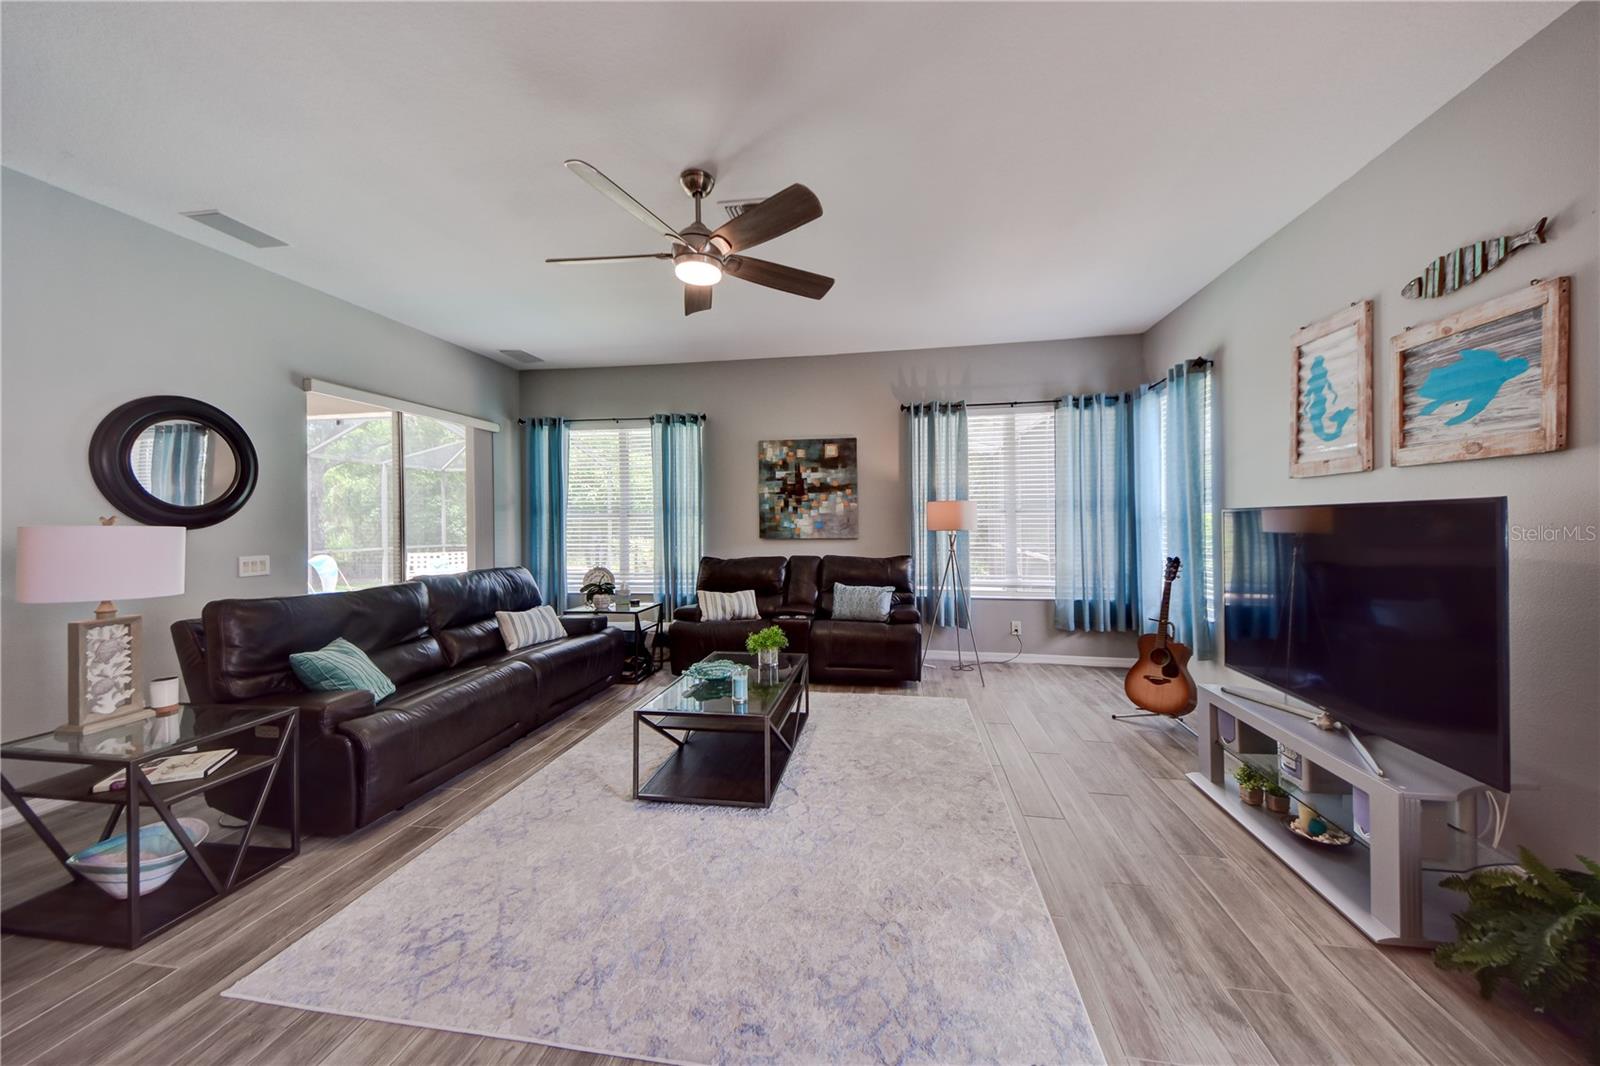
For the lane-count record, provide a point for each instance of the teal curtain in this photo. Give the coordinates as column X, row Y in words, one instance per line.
column 1188, row 501
column 545, row 522
column 178, row 463
column 1097, row 556
column 678, row 444
column 936, row 467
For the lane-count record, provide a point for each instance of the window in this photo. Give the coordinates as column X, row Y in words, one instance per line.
column 1011, row 478
column 371, row 520
column 611, row 504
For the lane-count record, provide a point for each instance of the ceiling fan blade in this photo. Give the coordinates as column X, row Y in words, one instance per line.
column 610, row 258
column 619, row 196
column 696, row 298
column 772, row 217
column 775, row 276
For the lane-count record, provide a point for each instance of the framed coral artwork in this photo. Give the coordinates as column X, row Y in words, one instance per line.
column 1484, row 382
column 1331, row 430
column 106, row 675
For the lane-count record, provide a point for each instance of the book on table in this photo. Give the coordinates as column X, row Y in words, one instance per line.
column 188, row 766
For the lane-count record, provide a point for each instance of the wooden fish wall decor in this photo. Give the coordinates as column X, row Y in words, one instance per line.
column 1465, row 265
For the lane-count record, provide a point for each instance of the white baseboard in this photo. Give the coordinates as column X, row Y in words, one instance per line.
column 10, row 816
column 997, row 657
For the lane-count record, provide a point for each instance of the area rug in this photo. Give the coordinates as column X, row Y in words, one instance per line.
column 881, row 910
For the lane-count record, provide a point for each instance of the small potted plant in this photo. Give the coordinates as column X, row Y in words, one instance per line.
column 765, row 644
column 1277, row 799
column 1251, row 782
column 1538, row 929
column 598, row 594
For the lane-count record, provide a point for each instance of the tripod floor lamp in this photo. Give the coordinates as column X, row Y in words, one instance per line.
column 952, row 518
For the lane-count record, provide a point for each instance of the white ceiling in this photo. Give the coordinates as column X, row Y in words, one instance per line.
column 989, row 172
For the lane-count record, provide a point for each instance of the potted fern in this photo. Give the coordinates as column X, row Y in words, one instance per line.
column 1277, row 796
column 765, row 644
column 1539, row 929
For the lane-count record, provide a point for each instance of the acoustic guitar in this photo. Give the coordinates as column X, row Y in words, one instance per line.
column 1159, row 682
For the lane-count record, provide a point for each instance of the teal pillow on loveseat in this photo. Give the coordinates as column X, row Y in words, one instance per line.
column 340, row 667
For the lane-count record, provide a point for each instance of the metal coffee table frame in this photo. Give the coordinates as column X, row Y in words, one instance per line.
column 724, row 756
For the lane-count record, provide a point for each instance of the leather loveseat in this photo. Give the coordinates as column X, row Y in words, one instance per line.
column 796, row 594
column 460, row 696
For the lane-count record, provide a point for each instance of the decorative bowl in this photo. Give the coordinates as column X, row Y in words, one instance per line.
column 105, row 865
column 714, row 670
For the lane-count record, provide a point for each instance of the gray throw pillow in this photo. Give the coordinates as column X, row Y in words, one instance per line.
column 862, row 603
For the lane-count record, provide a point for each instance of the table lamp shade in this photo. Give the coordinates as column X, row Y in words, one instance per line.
column 946, row 515
column 86, row 564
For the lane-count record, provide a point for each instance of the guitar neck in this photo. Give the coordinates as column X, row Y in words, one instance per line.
column 1166, row 602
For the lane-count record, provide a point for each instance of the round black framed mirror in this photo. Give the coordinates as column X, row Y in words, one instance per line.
column 173, row 461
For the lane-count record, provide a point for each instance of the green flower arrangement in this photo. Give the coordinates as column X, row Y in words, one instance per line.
column 769, row 639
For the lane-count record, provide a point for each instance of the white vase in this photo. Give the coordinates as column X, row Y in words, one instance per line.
column 767, row 658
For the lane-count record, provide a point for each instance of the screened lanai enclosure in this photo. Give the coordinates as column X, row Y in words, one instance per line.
column 386, row 495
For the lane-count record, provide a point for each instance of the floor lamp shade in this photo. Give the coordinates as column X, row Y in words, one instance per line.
column 951, row 515
column 85, row 564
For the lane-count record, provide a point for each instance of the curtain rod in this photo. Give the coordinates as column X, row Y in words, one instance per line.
column 635, row 418
column 1198, row 363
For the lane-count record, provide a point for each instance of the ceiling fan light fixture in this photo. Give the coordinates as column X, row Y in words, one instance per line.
column 697, row 268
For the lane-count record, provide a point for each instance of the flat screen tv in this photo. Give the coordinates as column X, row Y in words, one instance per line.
column 1390, row 616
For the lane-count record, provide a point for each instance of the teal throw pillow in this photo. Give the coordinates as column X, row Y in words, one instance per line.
column 340, row 667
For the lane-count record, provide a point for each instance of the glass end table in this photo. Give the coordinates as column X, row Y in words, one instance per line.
column 725, row 753
column 79, row 911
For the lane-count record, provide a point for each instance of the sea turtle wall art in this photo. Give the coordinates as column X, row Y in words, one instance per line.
column 1331, row 432
column 1488, row 381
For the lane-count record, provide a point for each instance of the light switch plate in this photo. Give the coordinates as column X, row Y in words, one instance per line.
column 255, row 565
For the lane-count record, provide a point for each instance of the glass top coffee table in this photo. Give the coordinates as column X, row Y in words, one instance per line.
column 725, row 753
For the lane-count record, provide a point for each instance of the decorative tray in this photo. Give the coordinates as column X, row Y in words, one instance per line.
column 1332, row 837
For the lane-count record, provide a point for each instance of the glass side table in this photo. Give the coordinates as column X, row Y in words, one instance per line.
column 641, row 660
column 81, row 912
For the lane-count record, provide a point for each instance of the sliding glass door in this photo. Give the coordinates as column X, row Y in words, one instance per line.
column 386, row 495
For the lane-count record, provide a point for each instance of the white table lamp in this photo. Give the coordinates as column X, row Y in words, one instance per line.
column 84, row 564
column 952, row 518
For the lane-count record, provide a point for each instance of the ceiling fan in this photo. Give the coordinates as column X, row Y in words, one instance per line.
column 701, row 256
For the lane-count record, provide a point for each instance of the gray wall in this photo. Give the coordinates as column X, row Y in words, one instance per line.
column 847, row 395
column 100, row 308
column 1518, row 144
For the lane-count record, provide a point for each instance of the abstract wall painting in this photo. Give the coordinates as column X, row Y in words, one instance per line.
column 807, row 489
column 1484, row 382
column 1331, row 430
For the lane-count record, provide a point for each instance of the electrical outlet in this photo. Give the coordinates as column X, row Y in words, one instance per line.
column 255, row 565
column 1016, row 628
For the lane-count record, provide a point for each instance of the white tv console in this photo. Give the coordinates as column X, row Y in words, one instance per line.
column 1422, row 826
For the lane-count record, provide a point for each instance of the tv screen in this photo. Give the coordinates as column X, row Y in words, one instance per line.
column 1390, row 616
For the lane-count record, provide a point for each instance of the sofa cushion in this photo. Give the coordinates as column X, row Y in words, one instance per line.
column 763, row 573
column 891, row 652
column 727, row 606
column 800, row 588
column 568, row 667
column 341, row 667
column 461, row 609
column 893, row 570
column 248, row 642
column 524, row 629
column 862, row 603
column 426, row 724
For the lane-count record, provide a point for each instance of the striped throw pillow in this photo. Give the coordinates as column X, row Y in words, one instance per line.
column 340, row 667
column 862, row 603
column 524, row 629
column 727, row 606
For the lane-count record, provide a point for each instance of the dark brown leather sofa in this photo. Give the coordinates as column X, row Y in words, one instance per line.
column 459, row 698
column 796, row 594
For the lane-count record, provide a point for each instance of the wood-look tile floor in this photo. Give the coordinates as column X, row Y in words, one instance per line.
column 1190, row 942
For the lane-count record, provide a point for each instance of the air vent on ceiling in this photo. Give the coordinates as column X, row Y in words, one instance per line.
column 735, row 208
column 235, row 229
column 517, row 355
